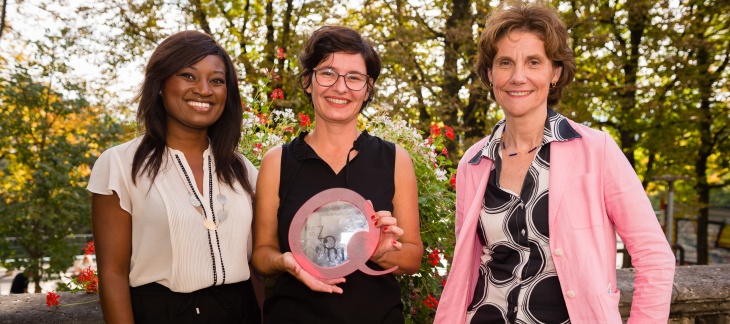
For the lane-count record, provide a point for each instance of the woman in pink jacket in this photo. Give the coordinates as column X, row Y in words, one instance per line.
column 539, row 201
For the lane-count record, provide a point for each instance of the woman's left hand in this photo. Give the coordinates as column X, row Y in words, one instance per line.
column 389, row 234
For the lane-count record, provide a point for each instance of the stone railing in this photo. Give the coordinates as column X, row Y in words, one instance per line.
column 701, row 294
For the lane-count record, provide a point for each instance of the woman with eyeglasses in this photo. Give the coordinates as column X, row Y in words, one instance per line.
column 339, row 69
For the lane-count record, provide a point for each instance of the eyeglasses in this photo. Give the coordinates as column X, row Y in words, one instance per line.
column 328, row 77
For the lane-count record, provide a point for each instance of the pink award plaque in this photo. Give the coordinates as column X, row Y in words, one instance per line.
column 331, row 235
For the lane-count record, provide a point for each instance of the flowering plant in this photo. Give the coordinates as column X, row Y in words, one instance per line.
column 264, row 128
column 87, row 281
column 420, row 292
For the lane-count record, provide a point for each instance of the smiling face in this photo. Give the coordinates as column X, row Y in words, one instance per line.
column 195, row 96
column 337, row 103
column 521, row 74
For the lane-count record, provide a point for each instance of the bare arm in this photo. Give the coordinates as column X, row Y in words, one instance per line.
column 400, row 242
column 267, row 258
column 112, row 228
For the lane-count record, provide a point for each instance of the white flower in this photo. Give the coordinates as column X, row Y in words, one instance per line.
column 440, row 175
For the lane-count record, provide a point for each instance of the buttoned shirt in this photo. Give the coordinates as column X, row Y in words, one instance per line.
column 517, row 280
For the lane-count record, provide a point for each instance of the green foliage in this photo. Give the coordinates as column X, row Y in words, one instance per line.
column 49, row 140
column 419, row 292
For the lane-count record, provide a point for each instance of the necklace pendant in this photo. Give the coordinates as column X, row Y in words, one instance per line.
column 222, row 215
column 222, row 199
column 194, row 200
column 209, row 224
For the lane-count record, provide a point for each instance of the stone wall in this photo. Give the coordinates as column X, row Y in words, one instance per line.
column 701, row 294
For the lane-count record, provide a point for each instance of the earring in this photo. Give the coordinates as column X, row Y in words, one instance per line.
column 491, row 85
column 552, row 85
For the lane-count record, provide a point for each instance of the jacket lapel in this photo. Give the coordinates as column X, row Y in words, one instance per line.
column 562, row 157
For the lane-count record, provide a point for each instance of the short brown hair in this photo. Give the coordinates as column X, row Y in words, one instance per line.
column 328, row 40
column 539, row 20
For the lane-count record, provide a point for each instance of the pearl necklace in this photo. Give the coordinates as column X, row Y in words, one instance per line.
column 209, row 223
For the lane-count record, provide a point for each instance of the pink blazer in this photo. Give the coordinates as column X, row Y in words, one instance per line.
column 593, row 191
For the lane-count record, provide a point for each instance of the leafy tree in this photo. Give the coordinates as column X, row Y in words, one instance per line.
column 49, row 136
column 703, row 48
column 428, row 49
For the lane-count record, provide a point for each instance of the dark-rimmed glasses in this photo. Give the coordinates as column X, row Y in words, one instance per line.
column 327, row 77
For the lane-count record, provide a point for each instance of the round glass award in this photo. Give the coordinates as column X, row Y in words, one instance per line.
column 332, row 236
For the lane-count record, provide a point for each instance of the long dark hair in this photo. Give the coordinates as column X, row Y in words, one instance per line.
column 328, row 40
column 179, row 51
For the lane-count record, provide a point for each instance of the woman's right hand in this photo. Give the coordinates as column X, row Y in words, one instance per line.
column 323, row 285
column 267, row 258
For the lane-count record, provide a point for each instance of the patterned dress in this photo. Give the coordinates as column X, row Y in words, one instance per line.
column 517, row 280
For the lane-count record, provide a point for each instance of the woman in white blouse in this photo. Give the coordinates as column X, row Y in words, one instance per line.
column 171, row 210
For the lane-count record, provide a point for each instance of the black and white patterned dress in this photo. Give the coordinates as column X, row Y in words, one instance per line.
column 517, row 281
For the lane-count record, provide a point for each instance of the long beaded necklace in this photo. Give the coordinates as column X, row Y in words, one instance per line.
column 209, row 223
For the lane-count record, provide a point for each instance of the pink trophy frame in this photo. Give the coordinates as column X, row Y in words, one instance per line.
column 334, row 254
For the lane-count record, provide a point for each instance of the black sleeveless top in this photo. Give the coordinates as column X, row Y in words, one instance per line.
column 366, row 299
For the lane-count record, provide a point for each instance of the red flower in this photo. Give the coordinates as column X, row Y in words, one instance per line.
column 434, row 258
column 445, row 152
column 52, row 299
column 262, row 119
column 435, row 130
column 443, row 282
column 453, row 180
column 271, row 74
column 277, row 94
column 89, row 280
column 449, row 132
column 288, row 129
column 304, row 120
column 280, row 53
column 429, row 140
column 89, row 248
column 430, row 302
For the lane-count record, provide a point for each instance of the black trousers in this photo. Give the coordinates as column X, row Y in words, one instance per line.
column 232, row 303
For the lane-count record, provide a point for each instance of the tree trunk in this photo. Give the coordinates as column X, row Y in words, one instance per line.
column 270, row 45
column 200, row 17
column 286, row 32
column 458, row 39
column 2, row 19
column 704, row 123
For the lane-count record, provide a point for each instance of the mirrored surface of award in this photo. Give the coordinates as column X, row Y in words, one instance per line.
column 331, row 237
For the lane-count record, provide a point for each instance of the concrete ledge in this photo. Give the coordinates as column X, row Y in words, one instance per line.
column 32, row 308
column 701, row 294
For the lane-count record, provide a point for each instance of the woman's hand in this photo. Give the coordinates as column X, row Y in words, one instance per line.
column 400, row 237
column 314, row 283
column 389, row 234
